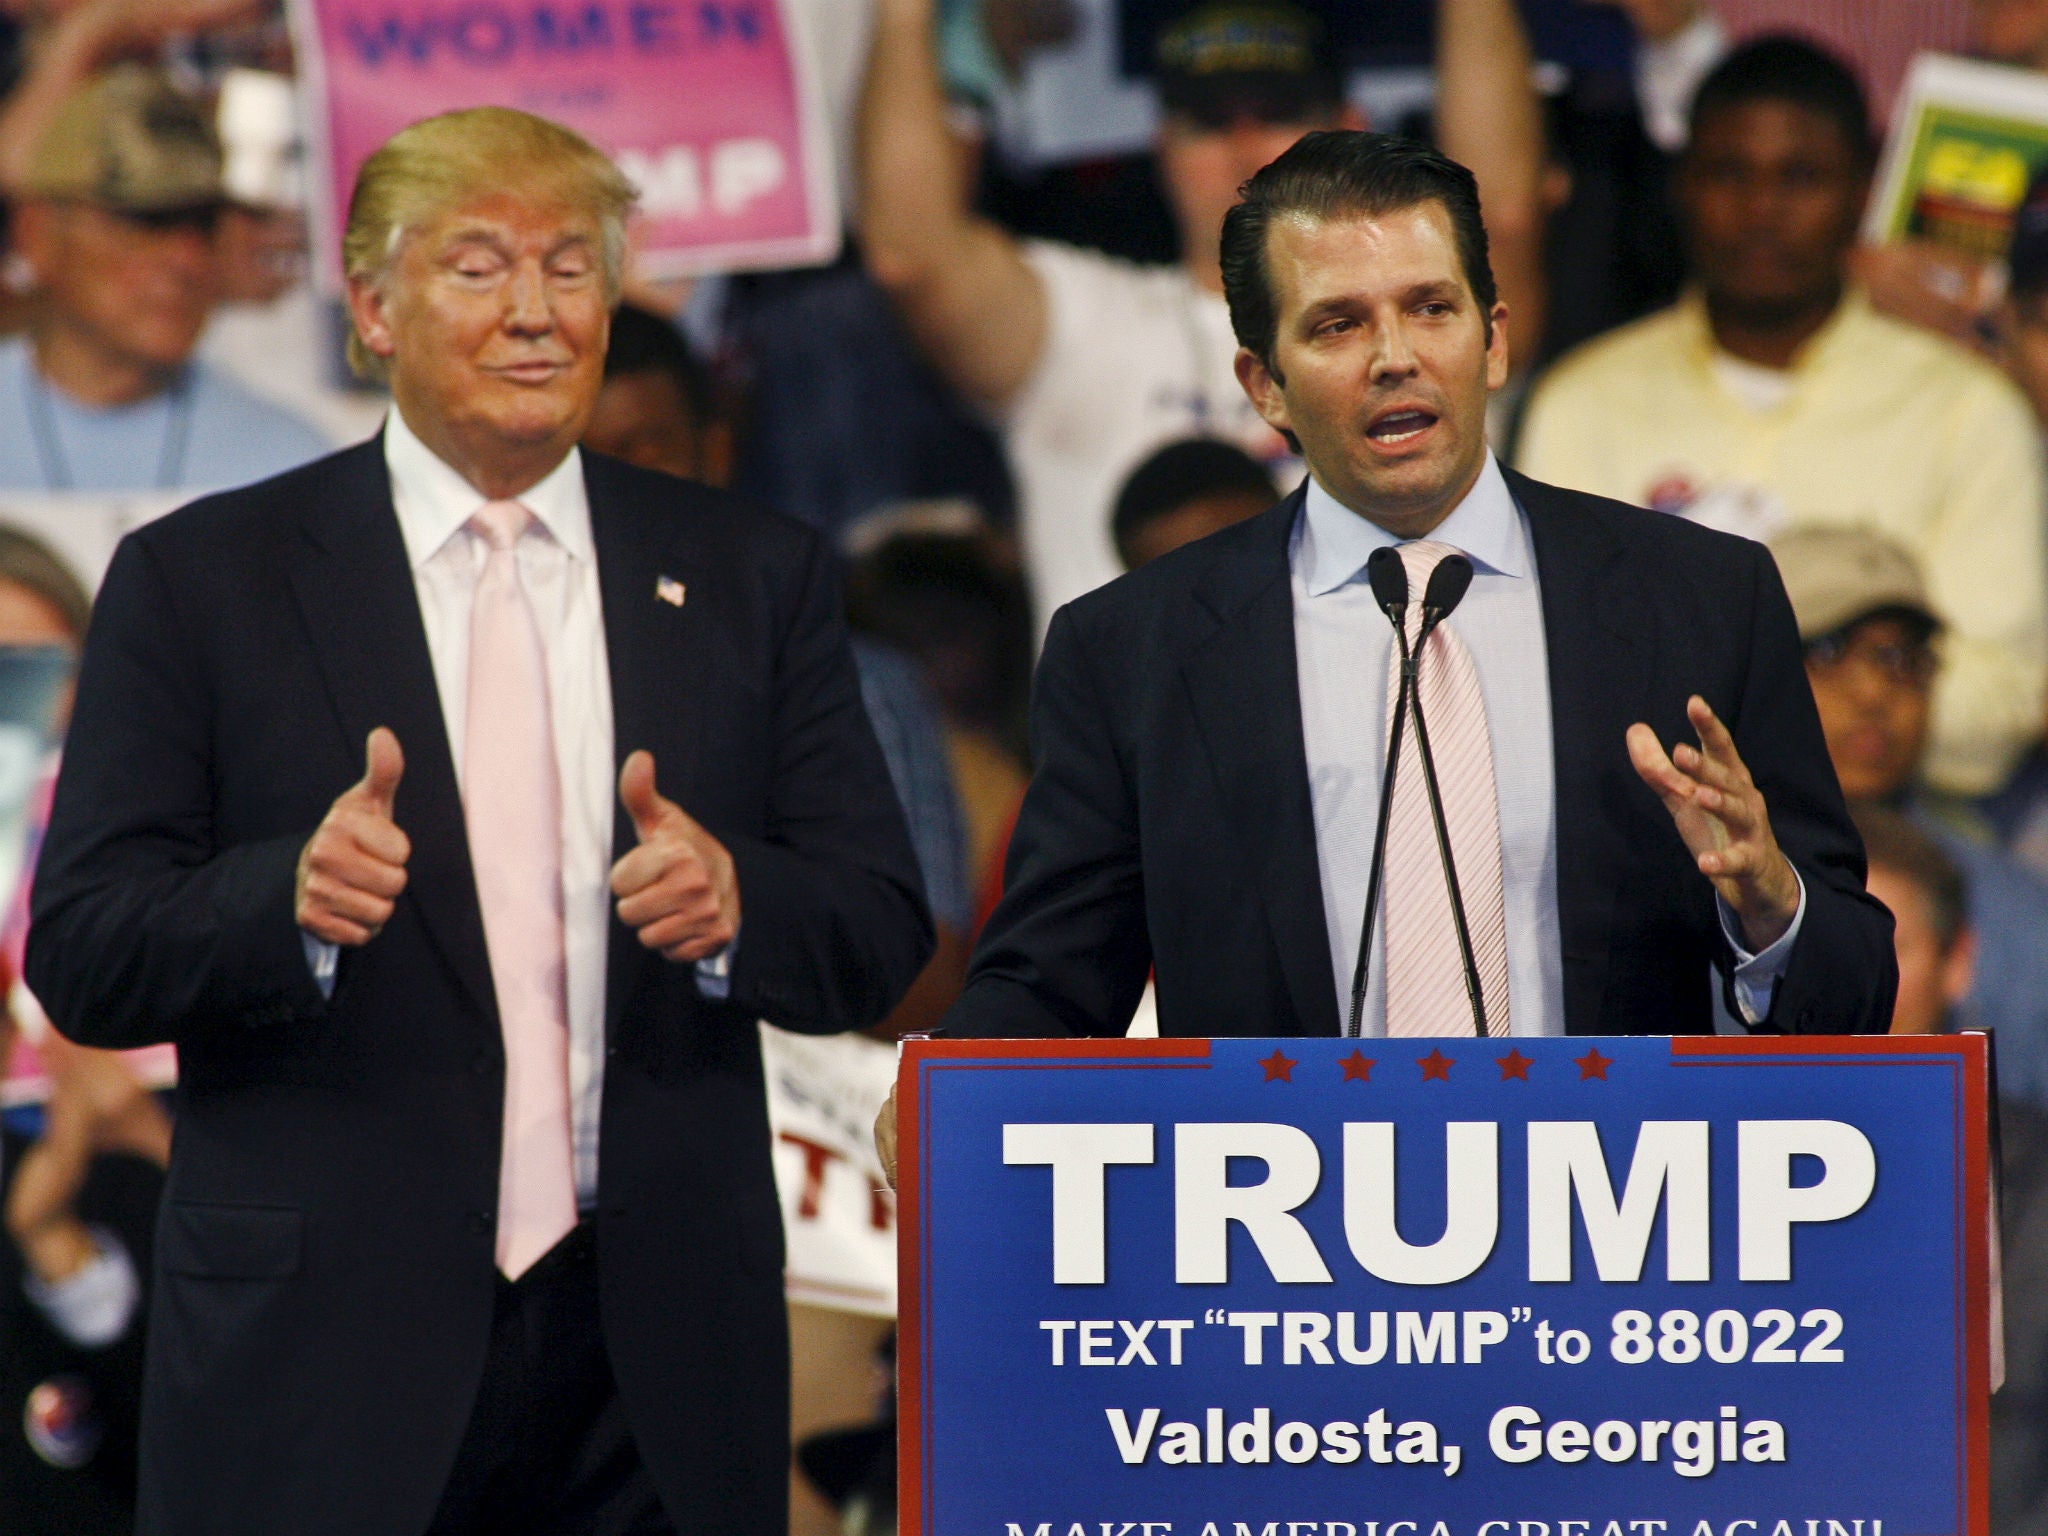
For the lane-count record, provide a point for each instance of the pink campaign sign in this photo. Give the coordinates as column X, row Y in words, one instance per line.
column 706, row 104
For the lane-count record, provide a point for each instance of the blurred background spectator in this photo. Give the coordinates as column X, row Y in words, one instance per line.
column 936, row 583
column 81, row 1161
column 80, row 1210
column 1871, row 634
column 1187, row 491
column 1772, row 396
column 116, row 220
column 660, row 406
column 1932, row 903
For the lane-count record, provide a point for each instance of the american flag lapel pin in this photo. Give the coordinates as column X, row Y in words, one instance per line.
column 669, row 590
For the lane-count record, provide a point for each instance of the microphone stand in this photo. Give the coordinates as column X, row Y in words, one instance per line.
column 1432, row 615
column 1447, row 585
column 1390, row 587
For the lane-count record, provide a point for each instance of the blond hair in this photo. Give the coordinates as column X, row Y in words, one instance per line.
column 425, row 171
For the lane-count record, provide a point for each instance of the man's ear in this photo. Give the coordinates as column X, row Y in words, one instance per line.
column 1498, row 362
column 1264, row 389
column 366, row 309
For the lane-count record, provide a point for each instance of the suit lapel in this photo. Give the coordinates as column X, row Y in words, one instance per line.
column 354, row 587
column 1601, row 651
column 1246, row 695
column 658, row 594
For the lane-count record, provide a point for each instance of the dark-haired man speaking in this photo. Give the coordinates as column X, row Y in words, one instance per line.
column 1210, row 730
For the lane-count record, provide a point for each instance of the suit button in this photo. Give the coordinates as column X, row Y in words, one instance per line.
column 482, row 1221
column 481, row 1063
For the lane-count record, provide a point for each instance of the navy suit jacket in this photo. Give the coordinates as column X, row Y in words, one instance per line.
column 1168, row 825
column 324, row 1264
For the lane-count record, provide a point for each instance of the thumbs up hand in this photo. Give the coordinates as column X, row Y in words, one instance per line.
column 678, row 889
column 353, row 867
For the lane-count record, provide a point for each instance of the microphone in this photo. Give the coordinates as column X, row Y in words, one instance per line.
column 1447, row 586
column 1389, row 578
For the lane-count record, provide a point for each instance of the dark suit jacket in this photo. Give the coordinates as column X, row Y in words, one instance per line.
column 1168, row 823
column 325, row 1272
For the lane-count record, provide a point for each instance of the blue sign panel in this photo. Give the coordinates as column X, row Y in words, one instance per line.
column 1613, row 1287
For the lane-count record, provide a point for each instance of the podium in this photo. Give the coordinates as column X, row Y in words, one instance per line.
column 1696, row 1286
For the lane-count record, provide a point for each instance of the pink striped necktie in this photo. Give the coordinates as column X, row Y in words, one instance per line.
column 1425, row 975
column 512, row 806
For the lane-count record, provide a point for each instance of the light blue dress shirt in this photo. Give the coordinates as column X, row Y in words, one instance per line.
column 1342, row 643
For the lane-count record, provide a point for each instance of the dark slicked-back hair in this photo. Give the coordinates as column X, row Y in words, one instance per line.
column 1342, row 173
column 1791, row 69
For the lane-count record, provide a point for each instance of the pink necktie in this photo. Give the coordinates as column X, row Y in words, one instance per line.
column 512, row 805
column 1425, row 976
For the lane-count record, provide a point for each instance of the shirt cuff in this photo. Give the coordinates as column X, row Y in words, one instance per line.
column 94, row 1307
column 1755, row 979
column 321, row 957
column 714, row 972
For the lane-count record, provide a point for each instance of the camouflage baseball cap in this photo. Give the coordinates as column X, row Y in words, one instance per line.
column 131, row 141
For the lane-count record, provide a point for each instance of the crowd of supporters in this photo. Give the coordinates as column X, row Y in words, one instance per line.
column 1017, row 381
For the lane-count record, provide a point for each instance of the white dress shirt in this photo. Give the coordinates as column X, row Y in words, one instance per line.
column 1342, row 641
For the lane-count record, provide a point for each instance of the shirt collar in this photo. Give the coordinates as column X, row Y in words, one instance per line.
column 434, row 501
column 1336, row 542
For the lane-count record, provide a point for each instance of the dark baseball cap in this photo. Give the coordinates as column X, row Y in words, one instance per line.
column 1264, row 58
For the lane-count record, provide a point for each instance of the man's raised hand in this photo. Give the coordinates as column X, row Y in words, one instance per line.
column 677, row 890
column 1721, row 815
column 353, row 867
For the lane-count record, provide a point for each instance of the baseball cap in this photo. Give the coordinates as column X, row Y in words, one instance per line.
column 1264, row 57
column 1836, row 576
column 131, row 141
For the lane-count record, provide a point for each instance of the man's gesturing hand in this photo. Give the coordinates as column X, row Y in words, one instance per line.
column 353, row 866
column 1720, row 813
column 677, row 889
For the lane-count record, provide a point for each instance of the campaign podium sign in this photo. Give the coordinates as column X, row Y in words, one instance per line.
column 1465, row 1287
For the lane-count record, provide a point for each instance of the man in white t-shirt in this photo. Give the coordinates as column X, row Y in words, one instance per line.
column 1089, row 363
